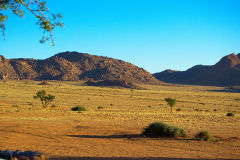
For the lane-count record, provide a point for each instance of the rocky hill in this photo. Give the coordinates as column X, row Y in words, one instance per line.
column 73, row 66
column 224, row 73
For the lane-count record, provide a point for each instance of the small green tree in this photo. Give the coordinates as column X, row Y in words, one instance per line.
column 171, row 102
column 45, row 99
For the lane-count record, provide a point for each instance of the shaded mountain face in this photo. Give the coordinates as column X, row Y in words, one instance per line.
column 73, row 66
column 224, row 73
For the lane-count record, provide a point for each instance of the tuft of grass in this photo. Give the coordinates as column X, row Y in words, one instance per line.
column 203, row 136
column 230, row 114
column 179, row 109
column 100, row 107
column 161, row 129
column 79, row 108
column 53, row 106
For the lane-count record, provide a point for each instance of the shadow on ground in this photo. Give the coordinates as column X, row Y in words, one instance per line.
column 125, row 136
column 108, row 136
column 226, row 90
column 127, row 158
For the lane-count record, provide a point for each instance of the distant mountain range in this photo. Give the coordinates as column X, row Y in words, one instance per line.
column 73, row 66
column 224, row 73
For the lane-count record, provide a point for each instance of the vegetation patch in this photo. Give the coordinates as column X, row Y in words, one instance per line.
column 230, row 114
column 161, row 129
column 78, row 108
column 179, row 109
column 203, row 136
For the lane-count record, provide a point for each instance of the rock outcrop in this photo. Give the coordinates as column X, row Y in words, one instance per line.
column 224, row 73
column 73, row 66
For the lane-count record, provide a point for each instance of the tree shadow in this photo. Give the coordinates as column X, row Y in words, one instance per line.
column 129, row 158
column 127, row 136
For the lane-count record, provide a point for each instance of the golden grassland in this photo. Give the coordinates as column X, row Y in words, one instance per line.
column 113, row 131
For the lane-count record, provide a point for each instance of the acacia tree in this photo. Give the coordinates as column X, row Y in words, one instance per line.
column 171, row 102
column 46, row 19
column 45, row 99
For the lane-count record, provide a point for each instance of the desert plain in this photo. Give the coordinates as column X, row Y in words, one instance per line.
column 111, row 127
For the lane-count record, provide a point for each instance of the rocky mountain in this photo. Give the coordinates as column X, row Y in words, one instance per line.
column 73, row 66
column 224, row 73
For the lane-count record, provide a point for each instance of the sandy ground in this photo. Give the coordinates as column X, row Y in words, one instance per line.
column 113, row 133
column 72, row 139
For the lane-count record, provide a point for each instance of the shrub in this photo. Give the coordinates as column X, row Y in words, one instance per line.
column 179, row 109
column 53, row 106
column 78, row 108
column 161, row 129
column 100, row 107
column 203, row 136
column 230, row 114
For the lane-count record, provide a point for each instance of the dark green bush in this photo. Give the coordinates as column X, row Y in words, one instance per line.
column 179, row 109
column 100, row 107
column 230, row 114
column 53, row 106
column 78, row 108
column 203, row 136
column 161, row 129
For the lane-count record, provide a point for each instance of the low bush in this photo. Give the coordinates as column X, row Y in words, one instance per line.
column 179, row 109
column 78, row 108
column 230, row 114
column 100, row 107
column 203, row 136
column 161, row 129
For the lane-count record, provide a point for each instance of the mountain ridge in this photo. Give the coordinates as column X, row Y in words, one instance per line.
column 73, row 66
column 225, row 72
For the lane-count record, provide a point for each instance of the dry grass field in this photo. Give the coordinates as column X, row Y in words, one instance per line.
column 114, row 131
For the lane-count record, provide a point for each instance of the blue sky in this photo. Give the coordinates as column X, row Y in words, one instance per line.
column 153, row 34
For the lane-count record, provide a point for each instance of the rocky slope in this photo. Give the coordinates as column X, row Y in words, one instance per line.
column 224, row 73
column 73, row 66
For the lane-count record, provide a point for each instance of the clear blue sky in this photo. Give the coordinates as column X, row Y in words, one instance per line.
column 153, row 34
